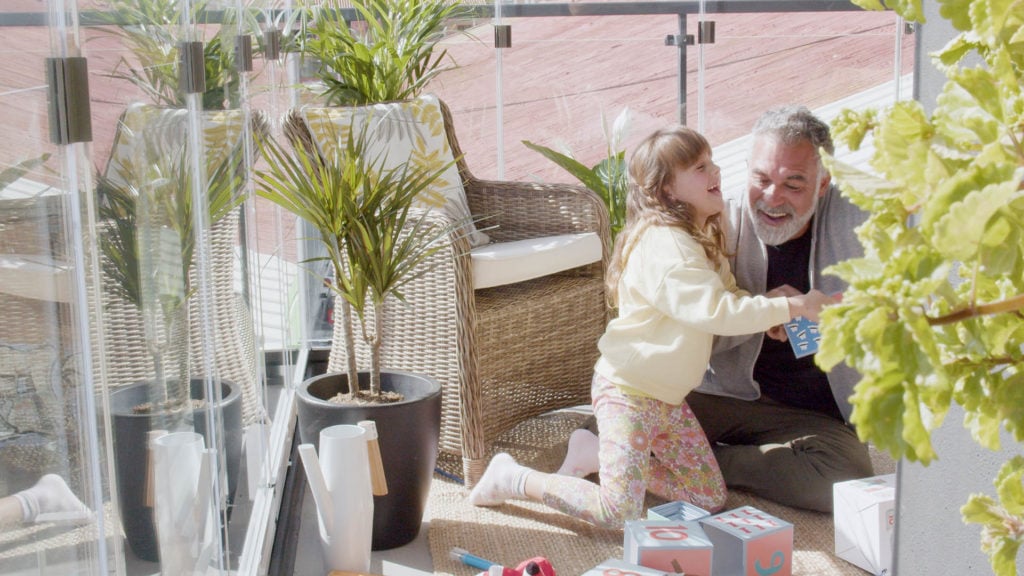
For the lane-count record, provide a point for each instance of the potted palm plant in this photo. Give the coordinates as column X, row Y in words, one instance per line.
column 361, row 206
column 148, row 242
column 389, row 54
column 608, row 178
column 149, row 239
column 151, row 31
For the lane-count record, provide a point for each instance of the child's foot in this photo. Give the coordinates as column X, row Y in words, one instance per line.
column 503, row 479
column 50, row 500
column 581, row 457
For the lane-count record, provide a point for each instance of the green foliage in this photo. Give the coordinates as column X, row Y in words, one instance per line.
column 1002, row 528
column 159, row 195
column 153, row 29
column 933, row 312
column 12, row 173
column 375, row 239
column 608, row 178
column 148, row 240
column 387, row 56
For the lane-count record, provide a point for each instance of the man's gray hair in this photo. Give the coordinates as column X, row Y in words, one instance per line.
column 793, row 124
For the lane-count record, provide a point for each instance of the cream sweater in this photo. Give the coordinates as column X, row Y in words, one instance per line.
column 672, row 302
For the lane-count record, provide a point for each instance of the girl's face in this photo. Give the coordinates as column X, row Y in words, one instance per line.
column 698, row 186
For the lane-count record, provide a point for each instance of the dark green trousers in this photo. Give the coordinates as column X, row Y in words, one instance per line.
column 789, row 455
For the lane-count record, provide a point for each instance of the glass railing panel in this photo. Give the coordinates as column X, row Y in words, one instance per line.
column 268, row 281
column 54, row 516
column 818, row 59
column 562, row 81
column 172, row 155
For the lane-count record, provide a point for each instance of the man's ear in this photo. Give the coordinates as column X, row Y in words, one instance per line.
column 826, row 179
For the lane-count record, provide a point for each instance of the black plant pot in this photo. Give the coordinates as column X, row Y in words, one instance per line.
column 130, row 453
column 408, row 433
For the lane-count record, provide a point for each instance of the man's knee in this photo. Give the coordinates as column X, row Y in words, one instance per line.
column 825, row 468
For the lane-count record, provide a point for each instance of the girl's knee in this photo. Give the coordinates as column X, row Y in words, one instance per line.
column 614, row 515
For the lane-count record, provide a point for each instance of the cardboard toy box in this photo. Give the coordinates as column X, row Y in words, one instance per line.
column 749, row 542
column 668, row 545
column 680, row 511
column 865, row 520
column 618, row 567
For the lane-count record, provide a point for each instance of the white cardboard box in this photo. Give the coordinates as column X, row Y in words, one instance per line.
column 865, row 522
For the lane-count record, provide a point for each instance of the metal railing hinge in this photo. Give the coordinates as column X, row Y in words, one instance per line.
column 68, row 95
column 191, row 68
column 243, row 53
column 502, row 36
column 678, row 40
column 271, row 44
column 706, row 32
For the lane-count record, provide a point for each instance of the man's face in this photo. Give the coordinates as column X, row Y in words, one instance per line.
column 785, row 182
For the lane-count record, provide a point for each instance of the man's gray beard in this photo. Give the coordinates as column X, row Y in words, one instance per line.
column 775, row 235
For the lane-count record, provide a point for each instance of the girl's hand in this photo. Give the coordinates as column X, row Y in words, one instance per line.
column 808, row 305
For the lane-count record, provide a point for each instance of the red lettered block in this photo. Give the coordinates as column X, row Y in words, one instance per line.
column 616, row 567
column 675, row 547
column 749, row 542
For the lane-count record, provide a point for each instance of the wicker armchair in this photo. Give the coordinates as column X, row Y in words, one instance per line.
column 502, row 353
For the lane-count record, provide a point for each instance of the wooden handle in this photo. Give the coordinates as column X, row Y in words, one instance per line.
column 377, row 478
column 150, row 467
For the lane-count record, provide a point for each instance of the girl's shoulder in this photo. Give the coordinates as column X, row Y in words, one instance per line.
column 671, row 241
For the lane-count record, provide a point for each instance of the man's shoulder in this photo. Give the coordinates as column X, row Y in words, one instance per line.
column 840, row 211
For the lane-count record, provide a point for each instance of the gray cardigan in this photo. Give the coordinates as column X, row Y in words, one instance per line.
column 732, row 361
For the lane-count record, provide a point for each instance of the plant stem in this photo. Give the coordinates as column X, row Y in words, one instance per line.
column 350, row 347
column 375, row 345
column 1009, row 305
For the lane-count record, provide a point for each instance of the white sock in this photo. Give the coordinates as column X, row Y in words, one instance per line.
column 503, row 479
column 581, row 457
column 50, row 499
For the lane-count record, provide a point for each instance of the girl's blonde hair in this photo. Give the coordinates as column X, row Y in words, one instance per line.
column 651, row 169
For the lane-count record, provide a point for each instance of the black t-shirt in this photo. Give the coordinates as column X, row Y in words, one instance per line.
column 784, row 377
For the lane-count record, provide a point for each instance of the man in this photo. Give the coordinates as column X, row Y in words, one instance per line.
column 779, row 423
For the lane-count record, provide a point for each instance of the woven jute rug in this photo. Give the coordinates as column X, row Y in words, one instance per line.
column 519, row 530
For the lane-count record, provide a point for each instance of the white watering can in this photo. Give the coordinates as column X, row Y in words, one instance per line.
column 340, row 481
column 182, row 510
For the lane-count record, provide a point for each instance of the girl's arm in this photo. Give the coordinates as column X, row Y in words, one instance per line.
column 808, row 305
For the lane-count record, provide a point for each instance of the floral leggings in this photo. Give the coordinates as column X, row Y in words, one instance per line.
column 645, row 444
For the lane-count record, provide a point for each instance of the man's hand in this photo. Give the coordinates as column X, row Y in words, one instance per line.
column 784, row 290
column 777, row 333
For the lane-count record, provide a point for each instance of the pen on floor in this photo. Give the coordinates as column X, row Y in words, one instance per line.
column 470, row 560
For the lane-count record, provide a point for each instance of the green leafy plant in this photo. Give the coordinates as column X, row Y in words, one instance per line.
column 376, row 241
column 933, row 314
column 148, row 241
column 609, row 177
column 11, row 174
column 387, row 56
column 152, row 31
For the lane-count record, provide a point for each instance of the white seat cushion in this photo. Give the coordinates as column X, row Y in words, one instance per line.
column 510, row 262
column 35, row 276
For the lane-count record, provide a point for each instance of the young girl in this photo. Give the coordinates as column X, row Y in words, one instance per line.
column 671, row 282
